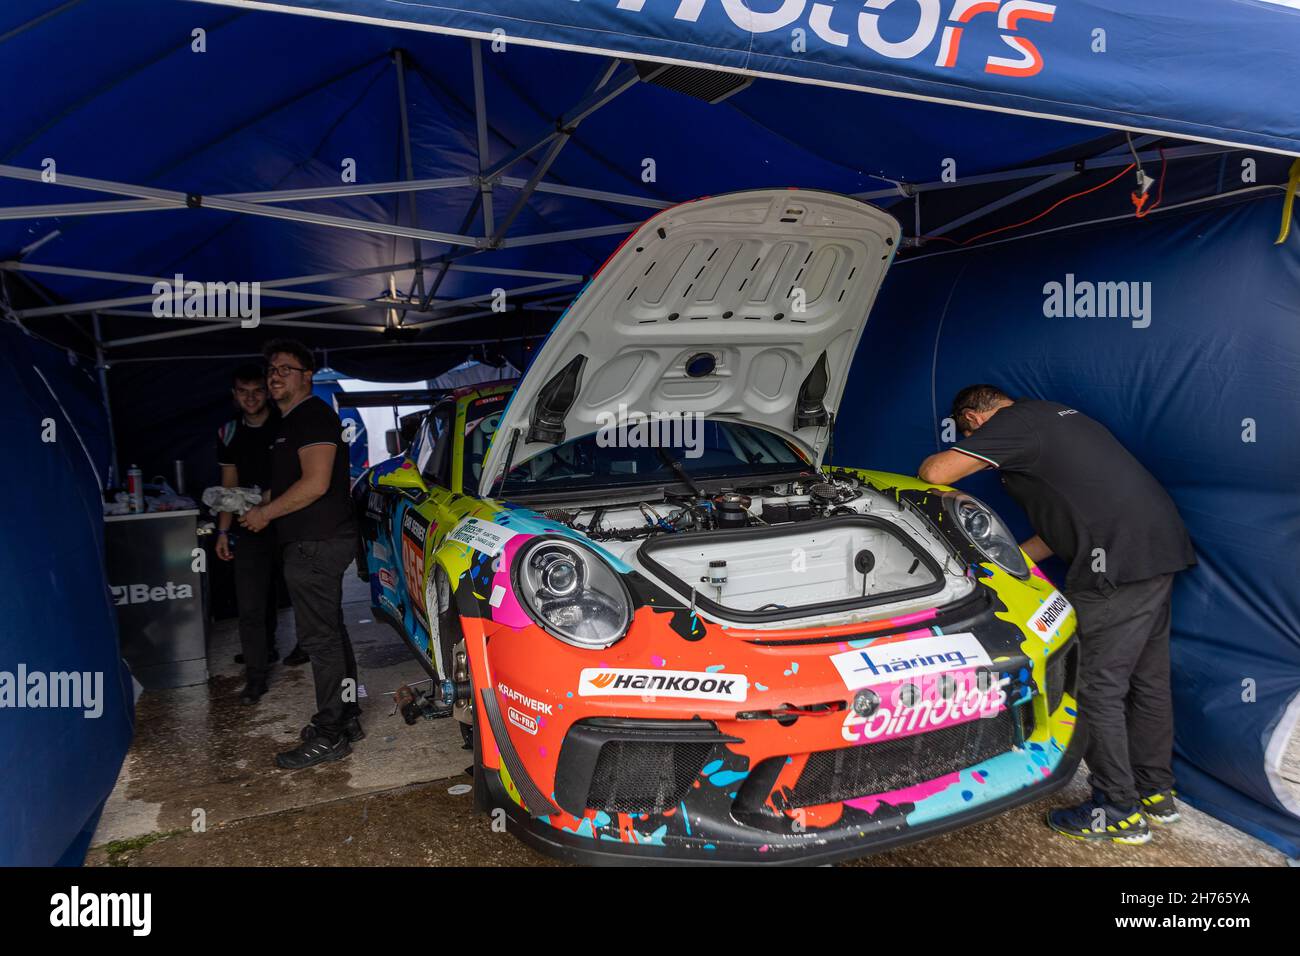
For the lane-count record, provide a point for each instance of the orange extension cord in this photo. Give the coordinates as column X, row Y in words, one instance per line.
column 1140, row 213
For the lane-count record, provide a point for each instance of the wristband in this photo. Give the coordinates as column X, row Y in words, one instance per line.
column 221, row 531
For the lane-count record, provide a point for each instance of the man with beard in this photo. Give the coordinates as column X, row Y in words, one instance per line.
column 311, row 508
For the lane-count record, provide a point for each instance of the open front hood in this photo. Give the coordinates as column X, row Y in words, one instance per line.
column 746, row 306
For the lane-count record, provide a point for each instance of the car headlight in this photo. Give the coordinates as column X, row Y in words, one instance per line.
column 573, row 594
column 986, row 532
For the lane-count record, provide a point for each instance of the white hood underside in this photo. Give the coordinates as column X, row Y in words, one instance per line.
column 764, row 282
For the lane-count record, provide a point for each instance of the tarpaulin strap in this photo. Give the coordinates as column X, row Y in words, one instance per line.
column 1288, row 203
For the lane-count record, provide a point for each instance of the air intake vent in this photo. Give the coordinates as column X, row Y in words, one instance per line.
column 834, row 775
column 644, row 776
column 1062, row 674
column 712, row 86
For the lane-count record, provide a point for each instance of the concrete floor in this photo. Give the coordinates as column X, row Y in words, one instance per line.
column 201, row 757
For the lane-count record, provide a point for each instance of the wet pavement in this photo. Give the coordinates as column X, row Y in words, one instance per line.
column 199, row 787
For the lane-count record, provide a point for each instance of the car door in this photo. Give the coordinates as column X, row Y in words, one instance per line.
column 423, row 485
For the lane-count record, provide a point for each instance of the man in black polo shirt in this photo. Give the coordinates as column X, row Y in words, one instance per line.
column 312, row 511
column 244, row 455
column 1095, row 506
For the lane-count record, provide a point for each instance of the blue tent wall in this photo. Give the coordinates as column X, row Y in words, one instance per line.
column 57, row 766
column 1223, row 346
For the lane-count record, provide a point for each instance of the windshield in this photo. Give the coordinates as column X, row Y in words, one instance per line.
column 481, row 419
column 707, row 450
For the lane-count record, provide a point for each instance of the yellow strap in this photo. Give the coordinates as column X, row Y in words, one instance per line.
column 1288, row 202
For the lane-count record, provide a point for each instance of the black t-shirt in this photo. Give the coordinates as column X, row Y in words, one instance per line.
column 1083, row 491
column 312, row 422
column 248, row 448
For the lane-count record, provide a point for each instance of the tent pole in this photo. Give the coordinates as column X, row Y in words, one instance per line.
column 208, row 357
column 1127, row 216
column 184, row 200
column 560, row 189
column 993, row 206
column 480, row 123
column 73, row 308
column 568, row 235
column 17, row 266
column 102, row 368
column 589, row 104
column 399, row 64
column 482, row 198
column 1026, row 192
column 561, row 140
column 1033, row 172
column 111, row 206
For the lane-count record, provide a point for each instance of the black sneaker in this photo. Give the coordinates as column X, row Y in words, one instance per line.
column 252, row 692
column 1095, row 819
column 351, row 729
column 296, row 656
column 314, row 751
column 1159, row 807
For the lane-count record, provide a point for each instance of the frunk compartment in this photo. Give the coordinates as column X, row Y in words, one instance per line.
column 822, row 566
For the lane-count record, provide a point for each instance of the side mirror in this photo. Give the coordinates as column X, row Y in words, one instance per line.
column 406, row 478
column 393, row 441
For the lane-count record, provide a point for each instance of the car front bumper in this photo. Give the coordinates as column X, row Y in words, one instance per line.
column 733, row 842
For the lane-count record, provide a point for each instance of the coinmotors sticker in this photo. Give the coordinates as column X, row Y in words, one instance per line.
column 1047, row 622
column 930, row 713
column 915, row 658
column 483, row 536
column 626, row 682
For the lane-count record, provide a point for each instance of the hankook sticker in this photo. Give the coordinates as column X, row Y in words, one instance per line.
column 1046, row 623
column 622, row 682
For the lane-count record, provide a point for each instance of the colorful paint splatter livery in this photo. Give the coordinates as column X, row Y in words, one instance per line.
column 704, row 728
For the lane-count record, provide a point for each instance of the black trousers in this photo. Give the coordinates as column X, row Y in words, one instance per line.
column 1124, row 687
column 313, row 572
column 257, row 567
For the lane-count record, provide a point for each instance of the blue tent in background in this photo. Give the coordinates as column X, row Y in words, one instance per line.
column 57, row 764
column 415, row 183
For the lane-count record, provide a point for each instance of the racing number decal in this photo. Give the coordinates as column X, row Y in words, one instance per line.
column 415, row 532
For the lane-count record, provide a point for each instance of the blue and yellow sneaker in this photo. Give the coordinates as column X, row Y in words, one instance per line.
column 1159, row 807
column 1095, row 819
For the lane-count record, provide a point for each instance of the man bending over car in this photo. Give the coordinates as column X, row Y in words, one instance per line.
column 1093, row 504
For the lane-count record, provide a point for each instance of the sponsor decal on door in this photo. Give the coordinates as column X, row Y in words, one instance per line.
column 415, row 532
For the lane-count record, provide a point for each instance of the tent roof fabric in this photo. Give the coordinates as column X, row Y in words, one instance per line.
column 264, row 101
column 1199, row 69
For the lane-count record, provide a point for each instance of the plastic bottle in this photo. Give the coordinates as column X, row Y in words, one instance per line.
column 135, row 489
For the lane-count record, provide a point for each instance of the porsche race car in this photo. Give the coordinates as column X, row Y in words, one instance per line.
column 671, row 631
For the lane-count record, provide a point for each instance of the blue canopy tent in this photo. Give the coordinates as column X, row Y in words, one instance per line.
column 414, row 182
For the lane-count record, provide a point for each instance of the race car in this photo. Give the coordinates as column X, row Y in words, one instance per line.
column 671, row 631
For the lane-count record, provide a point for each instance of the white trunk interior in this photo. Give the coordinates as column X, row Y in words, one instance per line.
column 794, row 567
